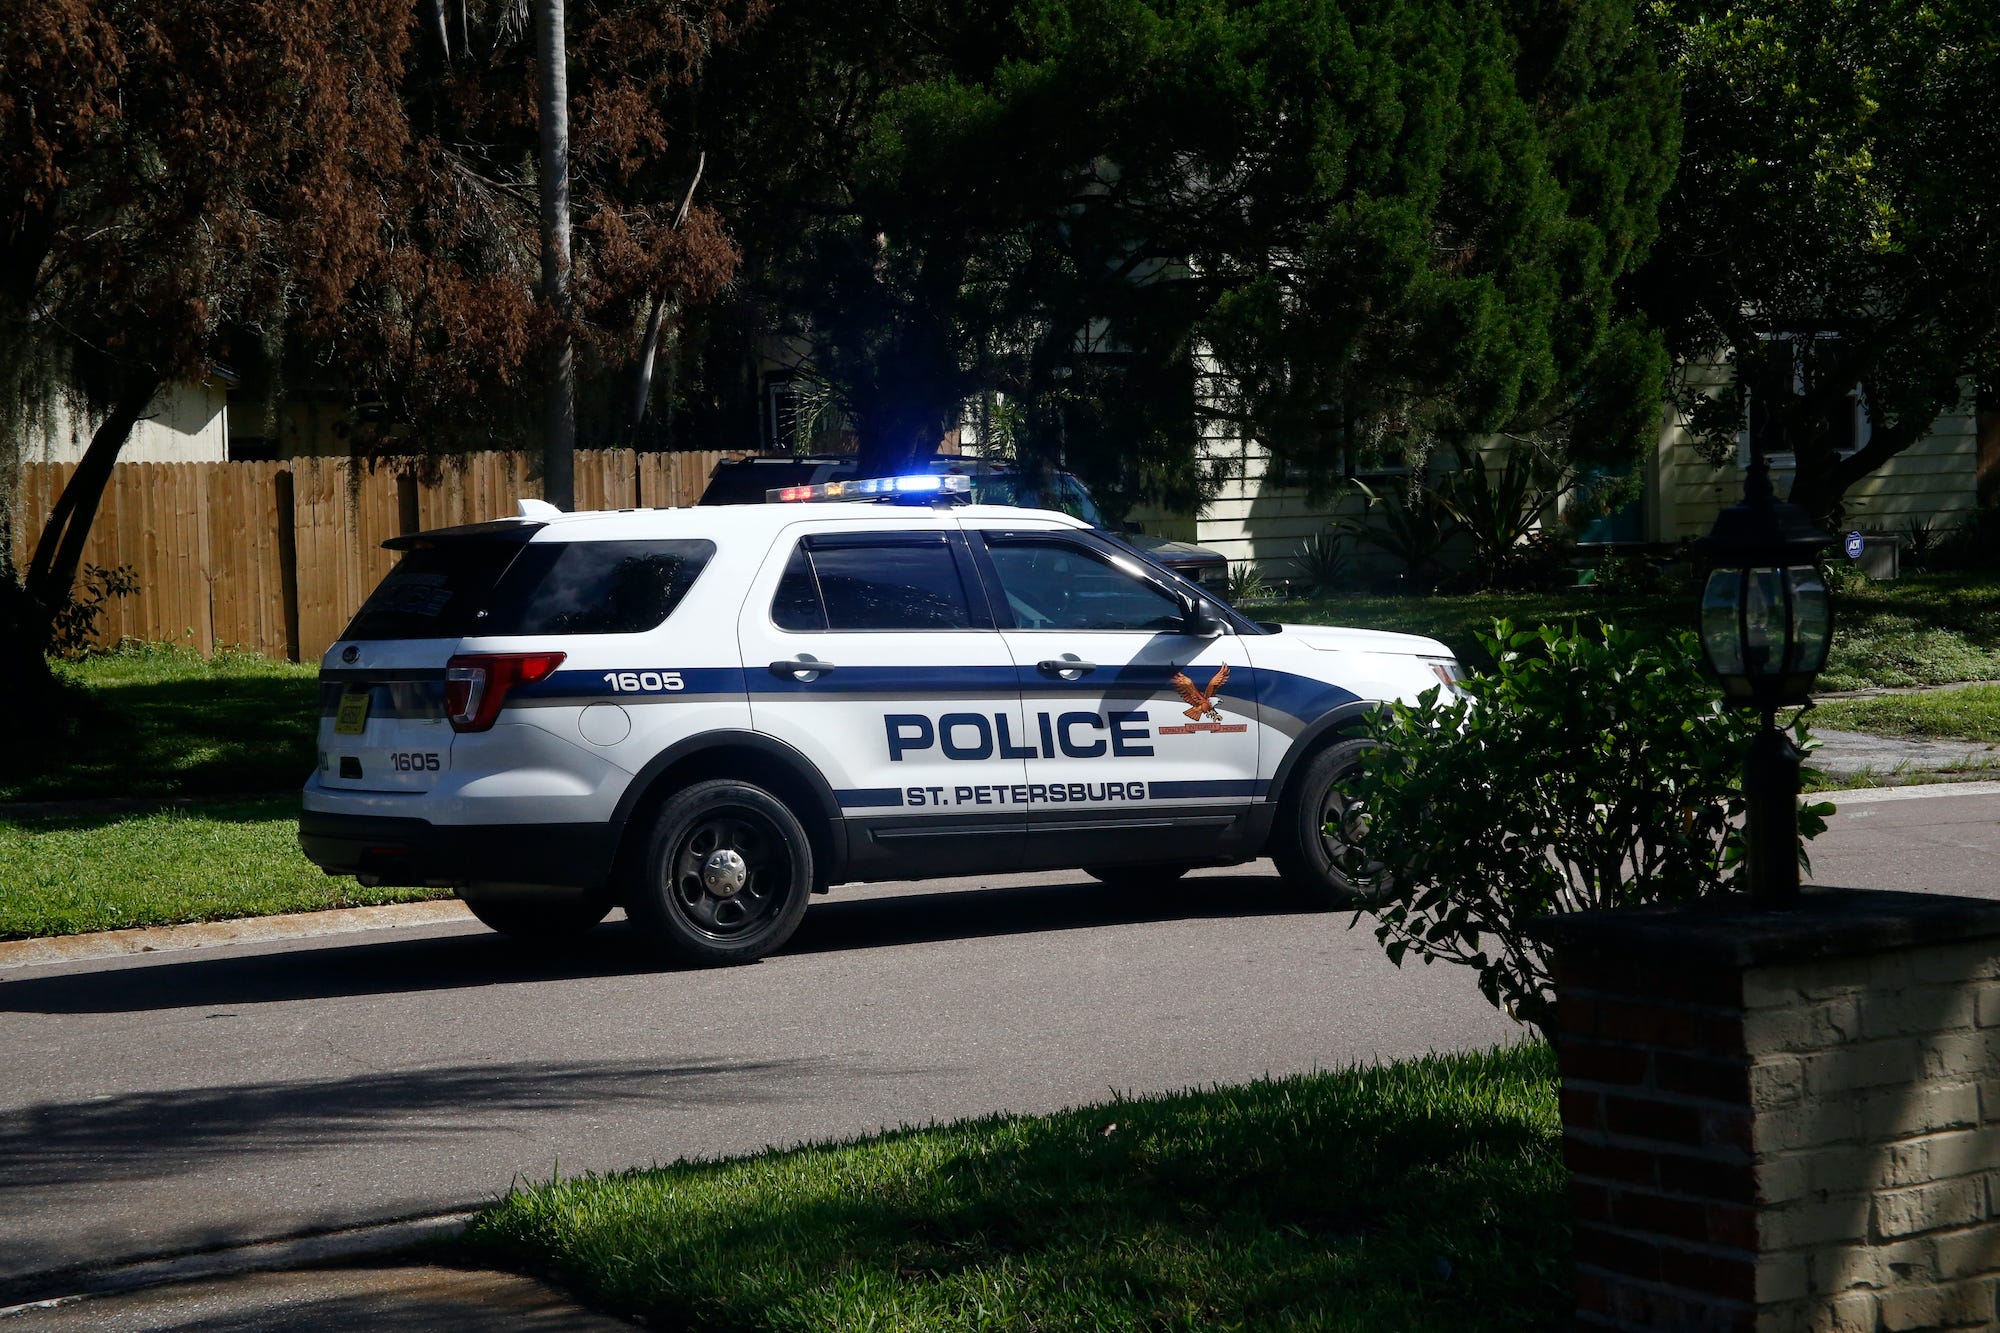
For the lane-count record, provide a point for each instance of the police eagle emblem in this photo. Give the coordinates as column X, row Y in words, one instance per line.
column 1201, row 703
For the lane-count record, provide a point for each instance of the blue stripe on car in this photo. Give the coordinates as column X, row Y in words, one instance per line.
column 857, row 798
column 1167, row 791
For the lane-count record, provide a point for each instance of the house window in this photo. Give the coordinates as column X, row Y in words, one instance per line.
column 1774, row 387
column 787, row 416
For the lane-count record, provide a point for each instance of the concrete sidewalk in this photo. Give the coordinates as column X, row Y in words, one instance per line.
column 1890, row 760
column 376, row 1277
column 325, row 1300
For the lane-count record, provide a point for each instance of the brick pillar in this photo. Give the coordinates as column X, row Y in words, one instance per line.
column 1783, row 1120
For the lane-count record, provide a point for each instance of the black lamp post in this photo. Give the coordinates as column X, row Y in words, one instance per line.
column 1766, row 623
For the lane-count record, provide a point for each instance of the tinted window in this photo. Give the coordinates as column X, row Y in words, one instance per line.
column 436, row 592
column 459, row 588
column 596, row 587
column 797, row 605
column 872, row 586
column 1054, row 585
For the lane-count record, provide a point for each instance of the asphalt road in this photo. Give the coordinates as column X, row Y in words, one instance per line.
column 1941, row 839
column 224, row 1095
column 213, row 1097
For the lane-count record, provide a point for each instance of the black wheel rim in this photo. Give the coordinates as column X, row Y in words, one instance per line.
column 1343, row 829
column 735, row 899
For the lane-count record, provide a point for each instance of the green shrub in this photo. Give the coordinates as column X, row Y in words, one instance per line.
column 74, row 624
column 1587, row 770
column 1246, row 583
column 1322, row 564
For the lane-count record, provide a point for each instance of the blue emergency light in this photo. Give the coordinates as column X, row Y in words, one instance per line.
column 917, row 486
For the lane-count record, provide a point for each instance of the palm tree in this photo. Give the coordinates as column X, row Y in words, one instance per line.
column 552, row 106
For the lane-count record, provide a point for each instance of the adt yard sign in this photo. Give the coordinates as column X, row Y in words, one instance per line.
column 1854, row 545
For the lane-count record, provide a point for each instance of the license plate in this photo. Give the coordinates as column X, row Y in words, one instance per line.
column 352, row 718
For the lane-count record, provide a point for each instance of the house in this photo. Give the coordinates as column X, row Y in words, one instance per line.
column 185, row 423
column 1262, row 513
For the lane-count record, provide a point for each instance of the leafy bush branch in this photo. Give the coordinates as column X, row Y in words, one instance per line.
column 1587, row 770
column 74, row 624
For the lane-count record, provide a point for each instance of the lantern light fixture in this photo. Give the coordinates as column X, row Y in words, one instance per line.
column 1766, row 624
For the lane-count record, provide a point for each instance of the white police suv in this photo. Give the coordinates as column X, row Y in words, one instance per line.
column 708, row 714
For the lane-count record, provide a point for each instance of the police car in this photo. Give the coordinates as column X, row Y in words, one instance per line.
column 708, row 714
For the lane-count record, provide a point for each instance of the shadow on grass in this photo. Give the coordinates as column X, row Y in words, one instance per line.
column 1423, row 1195
column 177, row 738
column 118, row 810
column 340, row 967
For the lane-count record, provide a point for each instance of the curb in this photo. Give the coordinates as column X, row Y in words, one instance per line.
column 261, row 1256
column 1916, row 791
column 245, row 930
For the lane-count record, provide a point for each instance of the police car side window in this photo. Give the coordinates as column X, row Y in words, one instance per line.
column 856, row 584
column 1057, row 585
column 621, row 587
column 797, row 605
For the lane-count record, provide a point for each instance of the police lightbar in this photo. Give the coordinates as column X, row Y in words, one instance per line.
column 920, row 486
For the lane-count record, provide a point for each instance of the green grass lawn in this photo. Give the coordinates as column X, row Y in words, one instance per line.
column 1928, row 629
column 1968, row 714
column 1421, row 1195
column 205, row 863
column 167, row 722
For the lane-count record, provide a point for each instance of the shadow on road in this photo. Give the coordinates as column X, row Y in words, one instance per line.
column 340, row 966
column 965, row 914
column 149, row 1135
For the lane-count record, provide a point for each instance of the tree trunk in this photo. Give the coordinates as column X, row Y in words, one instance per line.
column 59, row 552
column 642, row 376
column 434, row 20
column 1821, row 483
column 552, row 105
column 642, row 386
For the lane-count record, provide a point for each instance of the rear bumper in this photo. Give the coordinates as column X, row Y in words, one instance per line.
column 416, row 852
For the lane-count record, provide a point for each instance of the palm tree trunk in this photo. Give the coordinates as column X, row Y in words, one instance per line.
column 552, row 105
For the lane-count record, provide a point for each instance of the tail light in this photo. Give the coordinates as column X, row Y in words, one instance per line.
column 476, row 685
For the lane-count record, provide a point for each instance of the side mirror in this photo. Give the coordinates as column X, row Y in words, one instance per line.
column 1132, row 529
column 1201, row 619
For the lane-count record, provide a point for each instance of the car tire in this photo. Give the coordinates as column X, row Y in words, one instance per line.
column 1309, row 858
column 541, row 920
column 725, row 876
column 1141, row 876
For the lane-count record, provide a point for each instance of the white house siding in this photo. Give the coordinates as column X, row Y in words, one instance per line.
column 186, row 423
column 1254, row 518
column 1934, row 480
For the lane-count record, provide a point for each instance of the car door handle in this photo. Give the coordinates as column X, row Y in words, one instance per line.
column 800, row 667
column 1068, row 666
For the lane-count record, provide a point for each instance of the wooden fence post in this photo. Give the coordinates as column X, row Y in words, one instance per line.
column 288, row 561
column 407, row 521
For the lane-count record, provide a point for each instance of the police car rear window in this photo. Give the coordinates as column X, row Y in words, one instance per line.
column 457, row 589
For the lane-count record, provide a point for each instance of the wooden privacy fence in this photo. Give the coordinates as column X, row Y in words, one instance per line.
column 275, row 557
